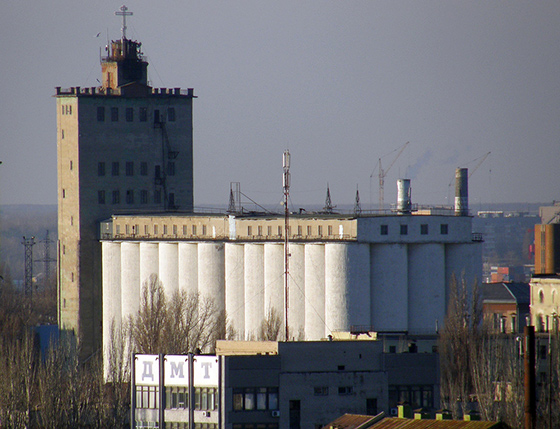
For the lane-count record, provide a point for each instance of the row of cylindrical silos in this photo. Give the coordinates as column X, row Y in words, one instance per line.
column 246, row 280
column 332, row 286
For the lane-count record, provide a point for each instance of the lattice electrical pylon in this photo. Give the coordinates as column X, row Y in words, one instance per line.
column 46, row 259
column 28, row 244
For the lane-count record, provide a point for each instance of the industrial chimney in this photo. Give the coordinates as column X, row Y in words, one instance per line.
column 462, row 192
column 404, row 204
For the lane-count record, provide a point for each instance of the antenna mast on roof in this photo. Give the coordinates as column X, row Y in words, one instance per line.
column 124, row 13
column 286, row 166
column 357, row 205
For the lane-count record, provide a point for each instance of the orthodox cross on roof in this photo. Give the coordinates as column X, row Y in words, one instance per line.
column 124, row 13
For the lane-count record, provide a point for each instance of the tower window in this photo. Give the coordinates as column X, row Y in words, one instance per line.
column 101, row 114
column 320, row 230
column 157, row 196
column 114, row 114
column 71, row 165
column 143, row 169
column 115, row 169
column 64, row 193
column 130, row 168
column 329, row 230
column 143, row 114
column 101, row 169
column 130, row 196
column 384, row 230
column 143, row 197
column 171, row 114
column 404, row 229
column 129, row 114
column 116, row 197
column 444, row 229
column 101, row 197
column 62, row 134
column 156, row 117
column 424, row 229
column 171, row 168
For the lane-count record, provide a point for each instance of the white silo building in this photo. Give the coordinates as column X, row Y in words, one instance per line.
column 382, row 272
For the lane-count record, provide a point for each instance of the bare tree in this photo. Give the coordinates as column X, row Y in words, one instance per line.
column 270, row 326
column 180, row 324
column 454, row 349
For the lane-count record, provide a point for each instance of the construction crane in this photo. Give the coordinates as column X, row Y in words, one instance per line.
column 482, row 159
column 383, row 173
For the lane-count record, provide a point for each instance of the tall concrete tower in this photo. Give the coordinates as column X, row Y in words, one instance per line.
column 123, row 147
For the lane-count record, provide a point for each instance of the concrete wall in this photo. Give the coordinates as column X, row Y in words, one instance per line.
column 83, row 142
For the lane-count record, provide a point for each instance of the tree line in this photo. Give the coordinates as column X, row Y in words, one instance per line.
column 483, row 369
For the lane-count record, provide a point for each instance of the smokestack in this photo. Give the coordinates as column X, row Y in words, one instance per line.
column 462, row 192
column 404, row 204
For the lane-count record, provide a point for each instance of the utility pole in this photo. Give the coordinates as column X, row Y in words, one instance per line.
column 286, row 166
column 530, row 384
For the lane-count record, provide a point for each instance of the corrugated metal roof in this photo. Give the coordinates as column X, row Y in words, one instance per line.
column 352, row 421
column 396, row 423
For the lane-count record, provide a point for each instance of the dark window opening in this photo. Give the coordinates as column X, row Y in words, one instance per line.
column 404, row 229
column 143, row 114
column 101, row 197
column 371, row 406
column 101, row 169
column 424, row 229
column 384, row 229
column 143, row 169
column 116, row 197
column 171, row 114
column 114, row 114
column 101, row 114
column 171, row 168
column 115, row 169
column 444, row 228
column 130, row 196
column 129, row 114
column 130, row 168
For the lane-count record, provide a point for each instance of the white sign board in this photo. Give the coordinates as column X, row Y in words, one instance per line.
column 205, row 371
column 146, row 369
column 176, row 370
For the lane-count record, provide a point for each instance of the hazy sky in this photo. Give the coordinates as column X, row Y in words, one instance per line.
column 339, row 83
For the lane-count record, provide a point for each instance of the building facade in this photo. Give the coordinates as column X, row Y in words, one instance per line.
column 346, row 273
column 123, row 145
